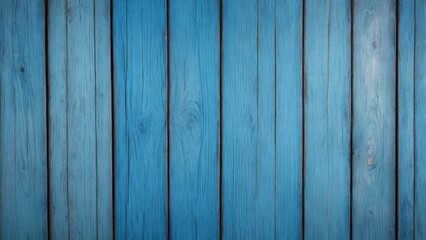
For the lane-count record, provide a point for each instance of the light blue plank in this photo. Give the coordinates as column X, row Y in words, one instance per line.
column 140, row 119
column 265, row 143
column 288, row 119
column 194, row 108
column 80, row 119
column 248, row 100
column 327, row 119
column 373, row 209
column 420, row 119
column 406, row 135
column 23, row 183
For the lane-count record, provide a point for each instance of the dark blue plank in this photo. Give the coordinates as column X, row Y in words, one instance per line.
column 420, row 119
column 80, row 119
column 23, row 191
column 288, row 119
column 139, row 54
column 406, row 135
column 327, row 119
column 373, row 209
column 248, row 100
column 194, row 108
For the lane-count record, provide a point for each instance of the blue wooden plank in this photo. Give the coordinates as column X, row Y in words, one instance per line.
column 103, row 105
column 420, row 123
column 248, row 100
column 80, row 119
column 289, row 119
column 139, row 54
column 406, row 135
column 23, row 191
column 265, row 143
column 57, row 104
column 373, row 209
column 327, row 119
column 239, row 118
column 194, row 108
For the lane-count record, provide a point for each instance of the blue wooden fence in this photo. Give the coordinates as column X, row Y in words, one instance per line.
column 233, row 119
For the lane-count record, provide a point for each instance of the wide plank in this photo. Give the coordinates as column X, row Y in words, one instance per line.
column 139, row 54
column 80, row 147
column 23, row 158
column 373, row 207
column 194, row 115
column 327, row 119
column 248, row 119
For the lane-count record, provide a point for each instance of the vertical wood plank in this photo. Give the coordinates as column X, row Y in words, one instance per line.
column 265, row 143
column 23, row 180
column 248, row 101
column 139, row 54
column 327, row 119
column 420, row 122
column 58, row 120
column 406, row 134
column 374, row 120
column 80, row 119
column 288, row 119
column 103, row 105
column 239, row 118
column 194, row 108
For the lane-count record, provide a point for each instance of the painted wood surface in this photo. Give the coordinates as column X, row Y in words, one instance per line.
column 23, row 173
column 139, row 55
column 406, row 131
column 194, row 108
column 327, row 119
column 373, row 206
column 79, row 81
column 420, row 119
column 233, row 119
column 289, row 121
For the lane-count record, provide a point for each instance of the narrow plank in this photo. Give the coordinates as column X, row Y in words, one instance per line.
column 80, row 119
column 289, row 119
column 139, row 54
column 58, row 120
column 327, row 119
column 194, row 108
column 248, row 101
column 23, row 191
column 103, row 105
column 406, row 133
column 420, row 123
column 265, row 144
column 373, row 206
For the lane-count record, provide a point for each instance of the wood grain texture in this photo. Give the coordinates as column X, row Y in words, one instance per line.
column 406, row 134
column 248, row 100
column 289, row 120
column 194, row 108
column 80, row 119
column 23, row 182
column 139, row 54
column 420, row 120
column 327, row 119
column 374, row 119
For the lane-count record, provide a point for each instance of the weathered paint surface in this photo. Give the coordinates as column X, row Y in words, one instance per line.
column 275, row 119
column 79, row 80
